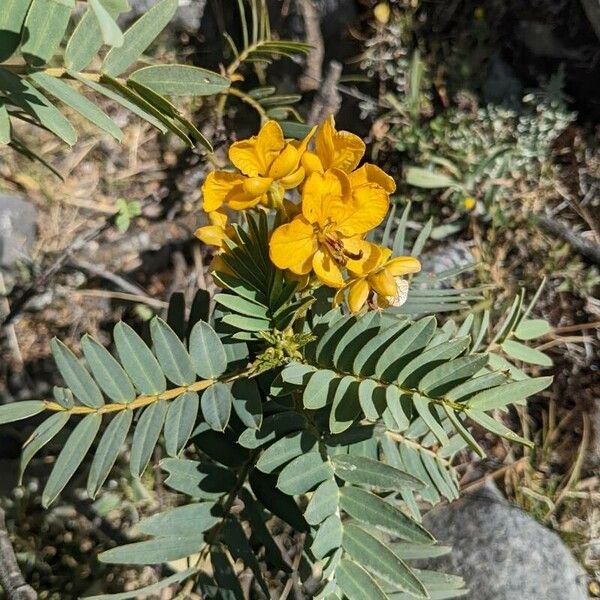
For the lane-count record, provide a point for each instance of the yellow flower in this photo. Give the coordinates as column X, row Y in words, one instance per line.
column 327, row 236
column 218, row 230
column 382, row 12
column 269, row 165
column 384, row 278
column 343, row 150
column 469, row 202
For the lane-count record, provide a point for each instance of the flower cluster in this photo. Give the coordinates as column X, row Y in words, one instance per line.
column 323, row 236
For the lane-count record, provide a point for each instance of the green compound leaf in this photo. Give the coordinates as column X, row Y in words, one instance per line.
column 375, row 512
column 520, row 351
column 477, row 384
column 247, row 402
column 138, row 361
column 273, row 428
column 207, row 351
column 40, row 437
column 372, row 473
column 111, row 34
column 316, row 392
column 180, row 422
column 356, row 583
column 152, row 552
column 107, row 371
column 171, row 353
column 108, row 450
column 43, row 30
column 509, row 393
column 21, row 93
column 447, row 375
column 122, row 100
column 198, row 480
column 324, row 502
column 187, row 521
column 65, row 93
column 285, row 449
column 147, row 590
column 303, row 474
column 11, row 21
column 530, row 329
column 87, row 37
column 216, row 403
column 76, row 376
column 345, row 407
column 379, row 560
column 71, row 456
column 16, row 411
column 181, row 80
column 145, row 436
column 138, row 37
column 328, row 538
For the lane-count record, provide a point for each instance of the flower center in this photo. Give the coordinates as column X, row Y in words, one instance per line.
column 329, row 238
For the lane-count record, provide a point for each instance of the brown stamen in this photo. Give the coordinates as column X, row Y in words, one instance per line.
column 353, row 255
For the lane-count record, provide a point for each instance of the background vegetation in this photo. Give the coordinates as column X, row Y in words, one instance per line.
column 485, row 114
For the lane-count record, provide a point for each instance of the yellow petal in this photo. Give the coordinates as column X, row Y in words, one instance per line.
column 358, row 295
column 293, row 179
column 286, row 163
column 340, row 149
column 325, row 197
column 212, row 235
column 218, row 218
column 403, row 265
column 257, row 186
column 254, row 156
column 326, row 269
column 302, row 145
column 383, row 283
column 221, row 187
column 368, row 208
column 372, row 256
column 312, row 163
column 369, row 173
column 302, row 268
column 292, row 244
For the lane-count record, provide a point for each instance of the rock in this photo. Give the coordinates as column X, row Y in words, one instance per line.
column 502, row 552
column 17, row 229
column 187, row 18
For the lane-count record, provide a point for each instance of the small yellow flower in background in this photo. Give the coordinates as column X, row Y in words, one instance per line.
column 469, row 202
column 343, row 150
column 327, row 236
column 382, row 277
column 382, row 12
column 269, row 166
column 479, row 13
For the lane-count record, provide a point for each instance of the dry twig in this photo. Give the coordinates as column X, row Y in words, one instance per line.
column 11, row 578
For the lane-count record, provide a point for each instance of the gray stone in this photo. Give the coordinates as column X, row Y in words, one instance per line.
column 17, row 229
column 502, row 552
column 188, row 16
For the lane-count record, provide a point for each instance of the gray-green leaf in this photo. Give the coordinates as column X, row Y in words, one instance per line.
column 207, row 351
column 139, row 362
column 138, row 37
column 76, row 376
column 180, row 80
column 108, row 450
column 71, row 456
column 216, row 405
column 146, row 435
column 171, row 353
column 107, row 371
